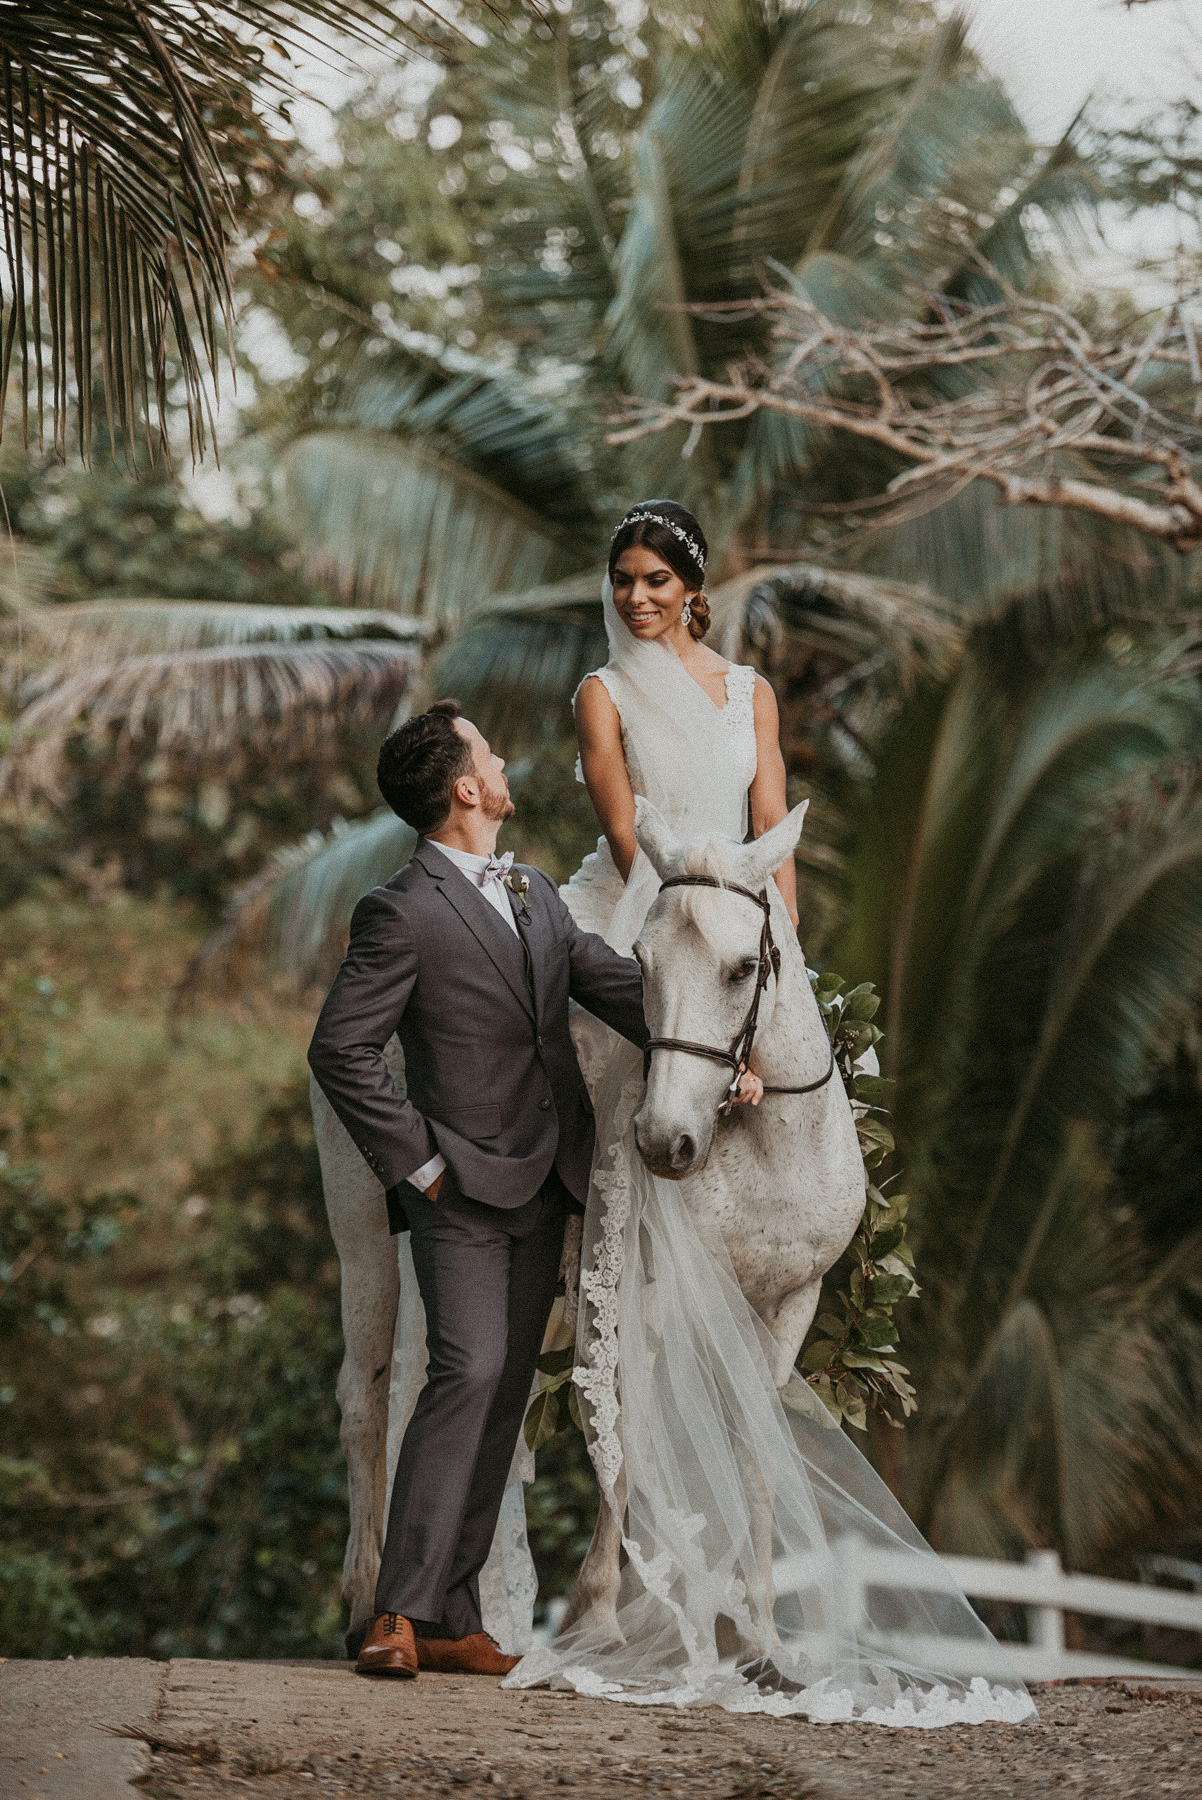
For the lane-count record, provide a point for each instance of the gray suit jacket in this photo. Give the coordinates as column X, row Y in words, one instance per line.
column 491, row 1075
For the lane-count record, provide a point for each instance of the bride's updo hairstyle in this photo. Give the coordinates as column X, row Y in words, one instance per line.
column 671, row 531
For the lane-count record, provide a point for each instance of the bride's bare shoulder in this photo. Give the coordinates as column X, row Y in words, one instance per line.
column 594, row 705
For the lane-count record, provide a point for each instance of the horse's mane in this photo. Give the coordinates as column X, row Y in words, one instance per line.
column 721, row 860
column 716, row 857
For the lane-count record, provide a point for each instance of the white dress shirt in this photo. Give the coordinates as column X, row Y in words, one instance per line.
column 472, row 868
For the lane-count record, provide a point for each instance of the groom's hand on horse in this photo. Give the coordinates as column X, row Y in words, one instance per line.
column 750, row 1090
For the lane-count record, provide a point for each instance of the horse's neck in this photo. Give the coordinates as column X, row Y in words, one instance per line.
column 788, row 1047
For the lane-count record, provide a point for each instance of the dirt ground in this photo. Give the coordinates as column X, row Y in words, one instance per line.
column 278, row 1731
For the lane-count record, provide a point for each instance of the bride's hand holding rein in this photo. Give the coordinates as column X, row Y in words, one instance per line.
column 750, row 1090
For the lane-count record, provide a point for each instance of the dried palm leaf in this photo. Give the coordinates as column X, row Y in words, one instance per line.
column 113, row 628
column 289, row 697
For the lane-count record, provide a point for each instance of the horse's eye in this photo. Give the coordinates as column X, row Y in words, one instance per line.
column 743, row 971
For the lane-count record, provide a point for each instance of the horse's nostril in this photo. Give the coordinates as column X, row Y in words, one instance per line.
column 683, row 1151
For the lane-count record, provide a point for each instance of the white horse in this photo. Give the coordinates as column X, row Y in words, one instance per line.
column 795, row 1162
column 383, row 1329
column 792, row 1164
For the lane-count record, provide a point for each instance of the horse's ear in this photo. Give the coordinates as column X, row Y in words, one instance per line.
column 655, row 837
column 766, row 855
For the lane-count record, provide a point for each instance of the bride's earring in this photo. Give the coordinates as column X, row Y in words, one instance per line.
column 687, row 614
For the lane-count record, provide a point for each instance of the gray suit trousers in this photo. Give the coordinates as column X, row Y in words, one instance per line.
column 487, row 1277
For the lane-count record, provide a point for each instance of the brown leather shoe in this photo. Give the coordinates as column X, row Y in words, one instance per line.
column 477, row 1654
column 388, row 1648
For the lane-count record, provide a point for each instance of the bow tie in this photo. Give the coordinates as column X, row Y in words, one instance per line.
column 496, row 868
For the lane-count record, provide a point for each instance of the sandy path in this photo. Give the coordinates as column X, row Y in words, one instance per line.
column 279, row 1730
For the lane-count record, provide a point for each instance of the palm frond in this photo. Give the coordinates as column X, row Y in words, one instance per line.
column 517, row 663
column 127, row 137
column 1081, row 1430
column 894, row 153
column 547, row 92
column 25, row 577
column 814, row 103
column 1065, row 189
column 1009, row 791
column 113, row 628
column 1100, row 961
column 851, row 615
column 289, row 697
column 1061, row 577
column 480, row 418
column 390, row 522
column 1127, row 979
column 650, row 335
column 298, row 907
column 913, row 148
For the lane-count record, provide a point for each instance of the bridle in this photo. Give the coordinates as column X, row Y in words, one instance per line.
column 740, row 1049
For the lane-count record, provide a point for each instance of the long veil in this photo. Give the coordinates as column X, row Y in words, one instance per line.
column 708, row 1476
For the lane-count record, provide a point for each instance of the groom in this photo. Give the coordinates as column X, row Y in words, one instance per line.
column 471, row 962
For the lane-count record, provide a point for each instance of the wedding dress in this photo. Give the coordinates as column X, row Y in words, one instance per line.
column 689, row 1434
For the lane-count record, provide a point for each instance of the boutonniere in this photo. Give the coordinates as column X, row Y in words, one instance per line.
column 519, row 884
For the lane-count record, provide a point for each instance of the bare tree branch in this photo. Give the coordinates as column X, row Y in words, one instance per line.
column 1017, row 393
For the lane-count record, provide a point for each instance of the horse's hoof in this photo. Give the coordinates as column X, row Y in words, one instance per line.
column 764, row 1675
column 354, row 1641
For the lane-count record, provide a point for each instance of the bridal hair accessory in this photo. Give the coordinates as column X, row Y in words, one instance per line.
column 690, row 543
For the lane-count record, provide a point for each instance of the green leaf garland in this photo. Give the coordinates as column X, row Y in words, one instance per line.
column 846, row 1369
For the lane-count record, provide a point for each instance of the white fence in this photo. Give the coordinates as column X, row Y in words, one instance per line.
column 1040, row 1585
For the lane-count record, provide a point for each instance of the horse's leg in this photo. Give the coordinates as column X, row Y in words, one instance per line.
column 788, row 1328
column 600, row 1572
column 794, row 1316
column 370, row 1284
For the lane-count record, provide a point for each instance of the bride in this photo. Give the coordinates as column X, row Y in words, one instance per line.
column 688, row 1434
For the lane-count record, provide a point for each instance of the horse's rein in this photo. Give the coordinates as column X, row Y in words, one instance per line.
column 740, row 1049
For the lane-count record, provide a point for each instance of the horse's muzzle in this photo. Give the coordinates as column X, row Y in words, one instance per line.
column 671, row 1154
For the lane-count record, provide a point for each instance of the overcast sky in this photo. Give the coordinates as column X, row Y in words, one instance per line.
column 1053, row 54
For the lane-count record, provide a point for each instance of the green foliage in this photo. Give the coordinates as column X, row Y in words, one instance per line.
column 1023, row 882
column 488, row 270
column 104, row 535
column 556, row 1406
column 393, row 524
column 561, row 1511
column 171, row 1477
column 168, row 826
column 196, row 814
column 40, row 1611
column 849, row 1357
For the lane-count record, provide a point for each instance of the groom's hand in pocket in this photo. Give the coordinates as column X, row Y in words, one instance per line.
column 435, row 1187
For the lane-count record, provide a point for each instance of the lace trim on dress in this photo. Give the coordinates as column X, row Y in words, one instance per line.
column 740, row 696
column 737, row 716
column 597, row 1376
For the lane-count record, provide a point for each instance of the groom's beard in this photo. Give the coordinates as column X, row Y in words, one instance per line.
column 496, row 804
